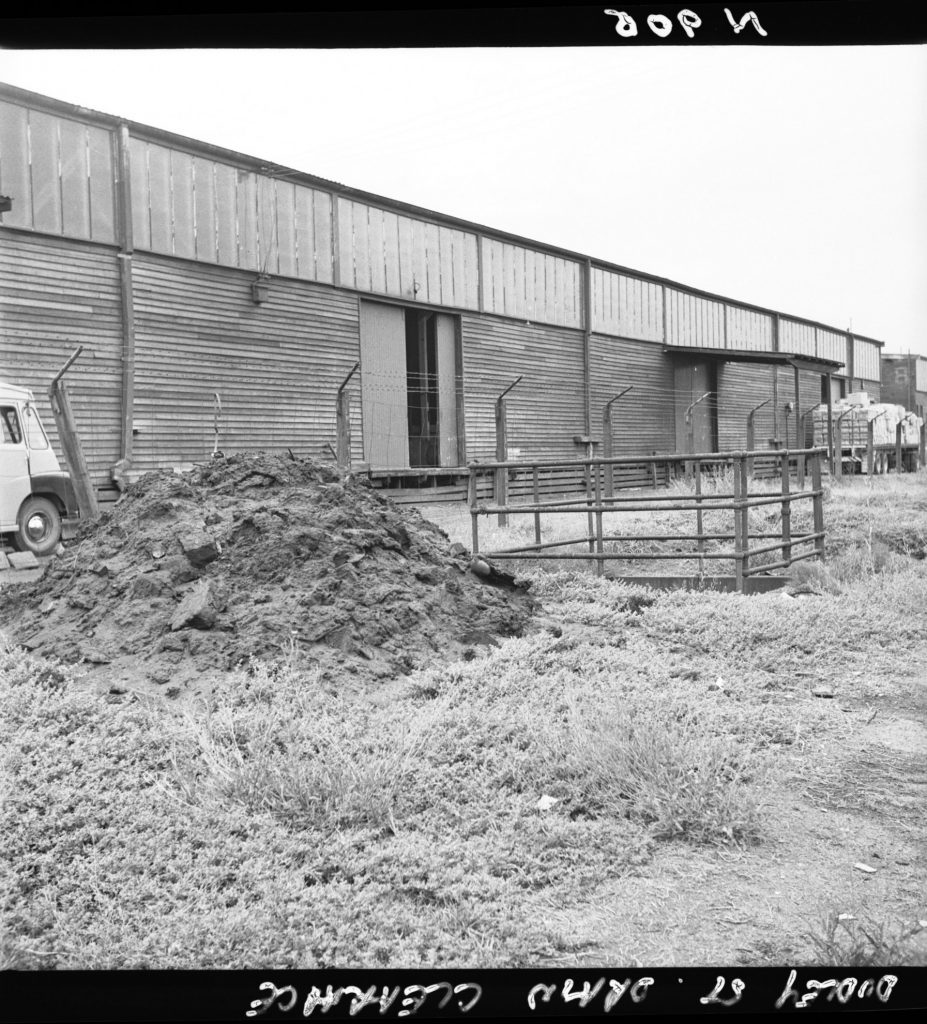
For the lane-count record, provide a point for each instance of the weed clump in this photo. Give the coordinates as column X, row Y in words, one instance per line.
column 842, row 940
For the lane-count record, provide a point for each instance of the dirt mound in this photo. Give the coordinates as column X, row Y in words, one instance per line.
column 260, row 556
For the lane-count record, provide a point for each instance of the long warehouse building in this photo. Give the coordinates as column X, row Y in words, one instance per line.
column 222, row 300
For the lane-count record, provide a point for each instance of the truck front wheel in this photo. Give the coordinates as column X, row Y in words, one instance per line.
column 39, row 527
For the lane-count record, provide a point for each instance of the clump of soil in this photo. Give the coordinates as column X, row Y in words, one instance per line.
column 261, row 556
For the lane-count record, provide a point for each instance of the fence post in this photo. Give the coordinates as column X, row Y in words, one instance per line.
column 838, row 448
column 751, row 433
column 607, row 448
column 786, row 511
column 923, row 444
column 343, row 422
column 745, row 511
column 738, row 529
column 474, row 517
column 599, row 544
column 690, row 432
column 70, row 442
column 589, row 522
column 899, row 453
column 817, row 503
column 870, row 447
column 536, row 488
column 501, row 476
column 502, row 452
column 830, row 423
column 699, row 522
column 607, row 442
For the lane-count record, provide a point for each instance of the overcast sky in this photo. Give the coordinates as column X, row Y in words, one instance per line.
column 790, row 177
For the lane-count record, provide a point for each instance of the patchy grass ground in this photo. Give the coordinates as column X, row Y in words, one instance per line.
column 705, row 806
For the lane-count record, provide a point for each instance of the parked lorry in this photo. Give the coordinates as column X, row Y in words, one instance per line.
column 858, row 424
column 37, row 498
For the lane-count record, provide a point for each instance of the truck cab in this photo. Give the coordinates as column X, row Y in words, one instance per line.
column 37, row 497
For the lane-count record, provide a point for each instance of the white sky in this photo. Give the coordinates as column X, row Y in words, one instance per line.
column 791, row 177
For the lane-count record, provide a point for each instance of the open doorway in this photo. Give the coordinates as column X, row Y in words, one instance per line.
column 422, row 387
column 411, row 387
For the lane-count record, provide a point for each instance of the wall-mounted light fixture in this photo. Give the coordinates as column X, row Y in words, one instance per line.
column 415, row 287
column 260, row 289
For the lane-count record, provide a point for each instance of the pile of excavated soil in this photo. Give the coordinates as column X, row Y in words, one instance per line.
column 260, row 556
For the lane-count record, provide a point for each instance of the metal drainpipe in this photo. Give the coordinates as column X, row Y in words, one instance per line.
column 587, row 344
column 124, row 258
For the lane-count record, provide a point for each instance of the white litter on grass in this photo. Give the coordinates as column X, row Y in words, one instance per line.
column 866, row 868
column 846, row 917
column 546, row 802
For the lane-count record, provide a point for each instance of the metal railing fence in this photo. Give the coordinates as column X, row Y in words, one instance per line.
column 595, row 502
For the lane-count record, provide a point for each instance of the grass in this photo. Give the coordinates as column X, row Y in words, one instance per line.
column 284, row 825
column 846, row 941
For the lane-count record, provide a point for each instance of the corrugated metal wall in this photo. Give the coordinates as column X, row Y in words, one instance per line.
column 45, row 313
column 741, row 387
column 276, row 367
column 545, row 410
column 210, row 225
column 642, row 420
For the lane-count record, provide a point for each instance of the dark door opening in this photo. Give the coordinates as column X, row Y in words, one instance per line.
column 422, row 387
column 411, row 382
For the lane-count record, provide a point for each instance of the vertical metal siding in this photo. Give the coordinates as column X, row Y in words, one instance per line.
column 286, row 229
column 204, row 178
column 796, row 338
column 56, row 294
column 528, row 284
column 694, row 321
column 747, row 329
column 322, row 205
column 182, row 215
column 59, row 173
column 226, row 179
column 388, row 254
column 866, row 361
column 43, row 165
column 831, row 345
column 14, row 165
column 268, row 243
column 248, row 253
column 75, row 184
column 159, row 198
column 141, row 215
column 102, row 185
